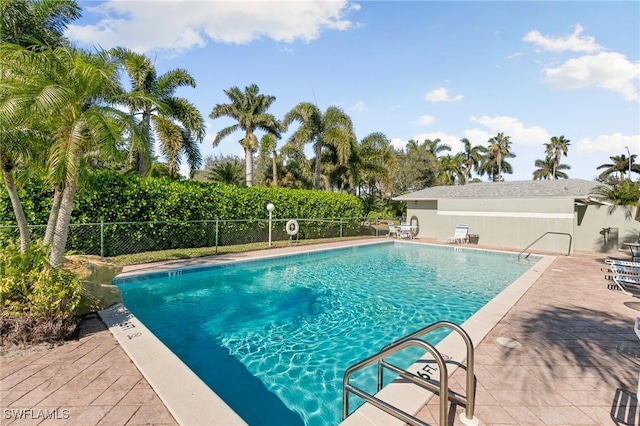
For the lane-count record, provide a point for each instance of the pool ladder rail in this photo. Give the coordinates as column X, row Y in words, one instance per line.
column 412, row 340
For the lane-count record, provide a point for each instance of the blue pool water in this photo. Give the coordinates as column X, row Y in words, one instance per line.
column 274, row 337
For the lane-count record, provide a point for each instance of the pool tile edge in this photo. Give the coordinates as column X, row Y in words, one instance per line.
column 186, row 396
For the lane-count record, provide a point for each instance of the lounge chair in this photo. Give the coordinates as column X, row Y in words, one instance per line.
column 625, row 263
column 626, row 283
column 460, row 236
column 624, row 270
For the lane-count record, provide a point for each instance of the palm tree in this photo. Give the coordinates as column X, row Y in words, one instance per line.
column 473, row 157
column 73, row 94
column 451, row 169
column 622, row 193
column 435, row 147
column 333, row 128
column 268, row 144
column 377, row 163
column 620, row 165
column 229, row 172
column 17, row 149
column 177, row 122
column 28, row 24
column 548, row 169
column 499, row 148
column 249, row 109
column 555, row 149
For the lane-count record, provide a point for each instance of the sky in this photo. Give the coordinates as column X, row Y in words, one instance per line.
column 409, row 69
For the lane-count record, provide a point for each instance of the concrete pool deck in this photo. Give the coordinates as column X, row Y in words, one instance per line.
column 578, row 363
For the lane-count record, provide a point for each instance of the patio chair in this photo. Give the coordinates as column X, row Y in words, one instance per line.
column 627, row 283
column 393, row 230
column 624, row 269
column 460, row 236
column 625, row 263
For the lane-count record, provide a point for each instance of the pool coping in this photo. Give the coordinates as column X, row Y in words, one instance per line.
column 191, row 401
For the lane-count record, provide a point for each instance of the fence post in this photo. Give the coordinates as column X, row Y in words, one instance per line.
column 101, row 239
column 340, row 228
column 216, row 236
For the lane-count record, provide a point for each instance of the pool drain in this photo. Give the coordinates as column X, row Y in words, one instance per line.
column 509, row 343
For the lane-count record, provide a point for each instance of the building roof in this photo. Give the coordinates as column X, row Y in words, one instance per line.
column 566, row 188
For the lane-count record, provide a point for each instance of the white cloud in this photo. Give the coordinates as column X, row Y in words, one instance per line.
column 574, row 42
column 178, row 25
column 614, row 144
column 442, row 95
column 519, row 134
column 360, row 106
column 608, row 70
column 425, row 120
column 398, row 143
column 478, row 136
column 445, row 138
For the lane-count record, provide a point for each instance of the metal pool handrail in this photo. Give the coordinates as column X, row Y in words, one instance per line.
column 386, row 407
column 445, row 394
column 543, row 235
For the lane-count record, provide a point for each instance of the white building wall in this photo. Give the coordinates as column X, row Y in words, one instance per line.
column 517, row 222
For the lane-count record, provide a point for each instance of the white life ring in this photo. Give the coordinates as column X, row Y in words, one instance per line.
column 292, row 227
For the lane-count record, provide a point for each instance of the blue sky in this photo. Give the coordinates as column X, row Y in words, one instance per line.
column 411, row 70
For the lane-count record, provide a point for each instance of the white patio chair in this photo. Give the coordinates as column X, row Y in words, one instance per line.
column 460, row 236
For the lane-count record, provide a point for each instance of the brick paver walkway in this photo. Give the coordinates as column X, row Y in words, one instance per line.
column 578, row 365
column 90, row 381
column 579, row 361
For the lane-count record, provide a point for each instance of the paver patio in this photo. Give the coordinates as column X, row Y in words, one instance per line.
column 578, row 364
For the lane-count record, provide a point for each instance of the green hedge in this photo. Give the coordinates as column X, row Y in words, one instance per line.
column 111, row 197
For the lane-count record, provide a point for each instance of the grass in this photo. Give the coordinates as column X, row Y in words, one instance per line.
column 188, row 253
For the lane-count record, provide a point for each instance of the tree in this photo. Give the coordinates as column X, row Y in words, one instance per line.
column 435, row 147
column 73, row 94
column 555, row 149
column 473, row 157
column 30, row 24
column 619, row 165
column 548, row 169
column 18, row 146
column 268, row 154
column 619, row 193
column 331, row 129
column 451, row 169
column 177, row 122
column 249, row 109
column 417, row 168
column 33, row 22
column 499, row 148
column 229, row 173
column 377, row 163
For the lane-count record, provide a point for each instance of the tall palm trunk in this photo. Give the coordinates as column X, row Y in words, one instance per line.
column 53, row 217
column 274, row 167
column 61, row 232
column 142, row 154
column 316, row 173
column 248, row 161
column 18, row 211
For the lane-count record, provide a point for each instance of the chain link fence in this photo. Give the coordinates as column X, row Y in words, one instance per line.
column 138, row 242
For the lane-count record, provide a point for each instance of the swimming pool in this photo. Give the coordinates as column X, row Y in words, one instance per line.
column 273, row 337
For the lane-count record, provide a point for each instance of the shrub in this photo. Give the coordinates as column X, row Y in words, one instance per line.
column 38, row 301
